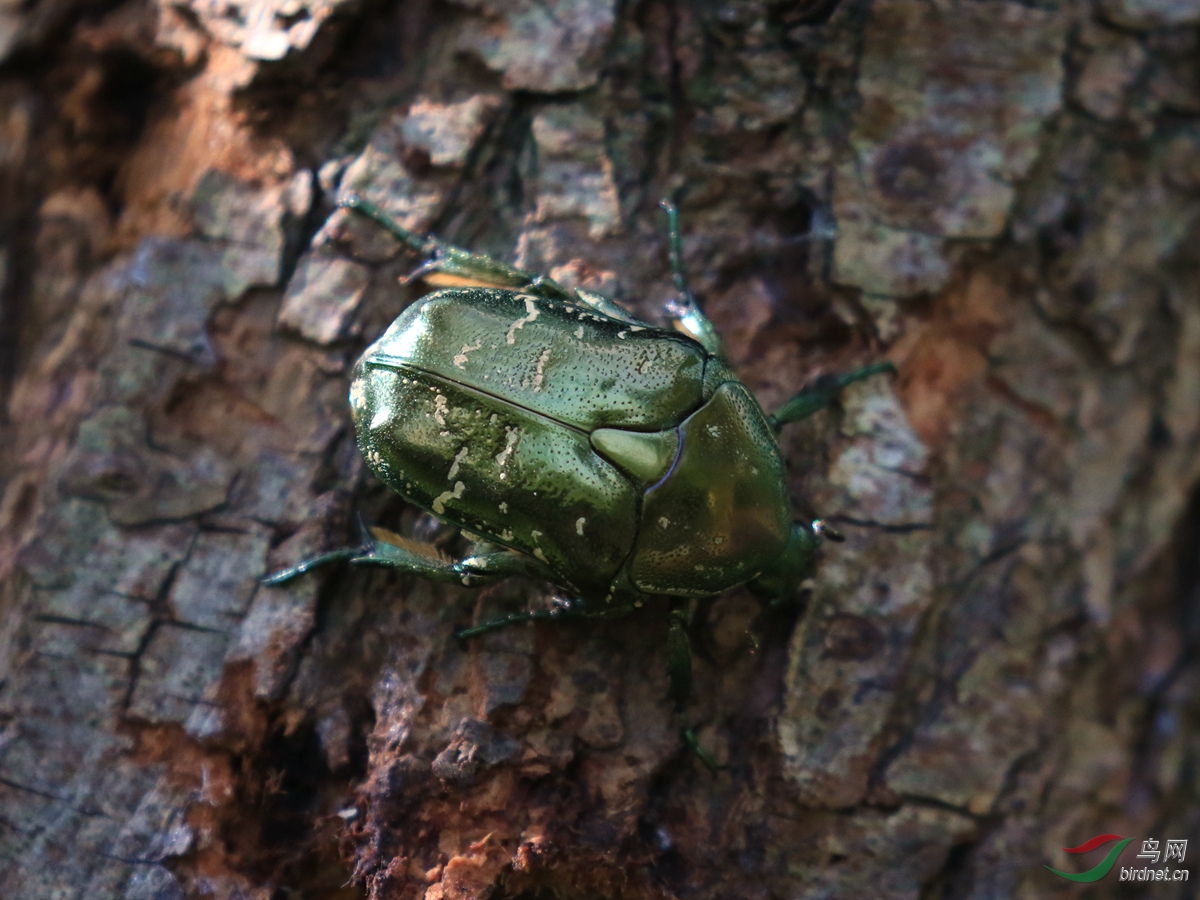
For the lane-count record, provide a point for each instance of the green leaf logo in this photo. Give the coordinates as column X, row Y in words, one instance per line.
column 1100, row 870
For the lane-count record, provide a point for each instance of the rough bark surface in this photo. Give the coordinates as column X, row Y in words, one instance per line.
column 1002, row 660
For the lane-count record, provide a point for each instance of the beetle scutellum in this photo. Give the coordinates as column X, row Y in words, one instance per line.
column 621, row 461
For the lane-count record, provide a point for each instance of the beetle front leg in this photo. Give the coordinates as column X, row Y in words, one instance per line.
column 821, row 392
column 684, row 310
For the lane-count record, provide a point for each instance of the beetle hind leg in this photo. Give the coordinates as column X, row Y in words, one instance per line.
column 380, row 547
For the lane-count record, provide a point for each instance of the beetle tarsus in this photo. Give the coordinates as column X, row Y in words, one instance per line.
column 562, row 610
column 679, row 652
column 687, row 737
column 387, row 223
column 533, row 615
column 420, row 271
column 675, row 248
column 285, row 575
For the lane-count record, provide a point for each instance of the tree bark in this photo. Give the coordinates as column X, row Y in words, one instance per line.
column 1001, row 660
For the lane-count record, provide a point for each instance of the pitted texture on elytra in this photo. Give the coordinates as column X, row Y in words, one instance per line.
column 721, row 514
column 497, row 470
column 560, row 360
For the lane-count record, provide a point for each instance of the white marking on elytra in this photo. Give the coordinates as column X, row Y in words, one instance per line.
column 621, row 335
column 506, row 535
column 439, row 502
column 461, row 359
column 537, row 551
column 503, row 506
column 511, row 436
column 458, row 458
column 440, row 408
column 579, row 332
column 579, row 523
column 663, row 521
column 531, row 313
column 539, row 374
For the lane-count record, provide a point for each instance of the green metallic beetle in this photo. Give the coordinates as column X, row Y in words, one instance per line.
column 575, row 443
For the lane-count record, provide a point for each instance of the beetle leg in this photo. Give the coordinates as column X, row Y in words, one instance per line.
column 446, row 265
column 285, row 575
column 343, row 553
column 380, row 547
column 532, row 615
column 684, row 310
column 606, row 307
column 821, row 392
column 561, row 611
column 688, row 735
column 497, row 563
column 679, row 668
column 679, row 652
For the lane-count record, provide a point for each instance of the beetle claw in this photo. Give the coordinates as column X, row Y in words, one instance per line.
column 366, row 540
column 688, row 737
column 420, row 271
column 822, row 530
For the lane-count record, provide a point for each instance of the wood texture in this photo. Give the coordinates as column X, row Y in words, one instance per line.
column 1003, row 198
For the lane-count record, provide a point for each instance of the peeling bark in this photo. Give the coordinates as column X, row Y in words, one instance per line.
column 1001, row 660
